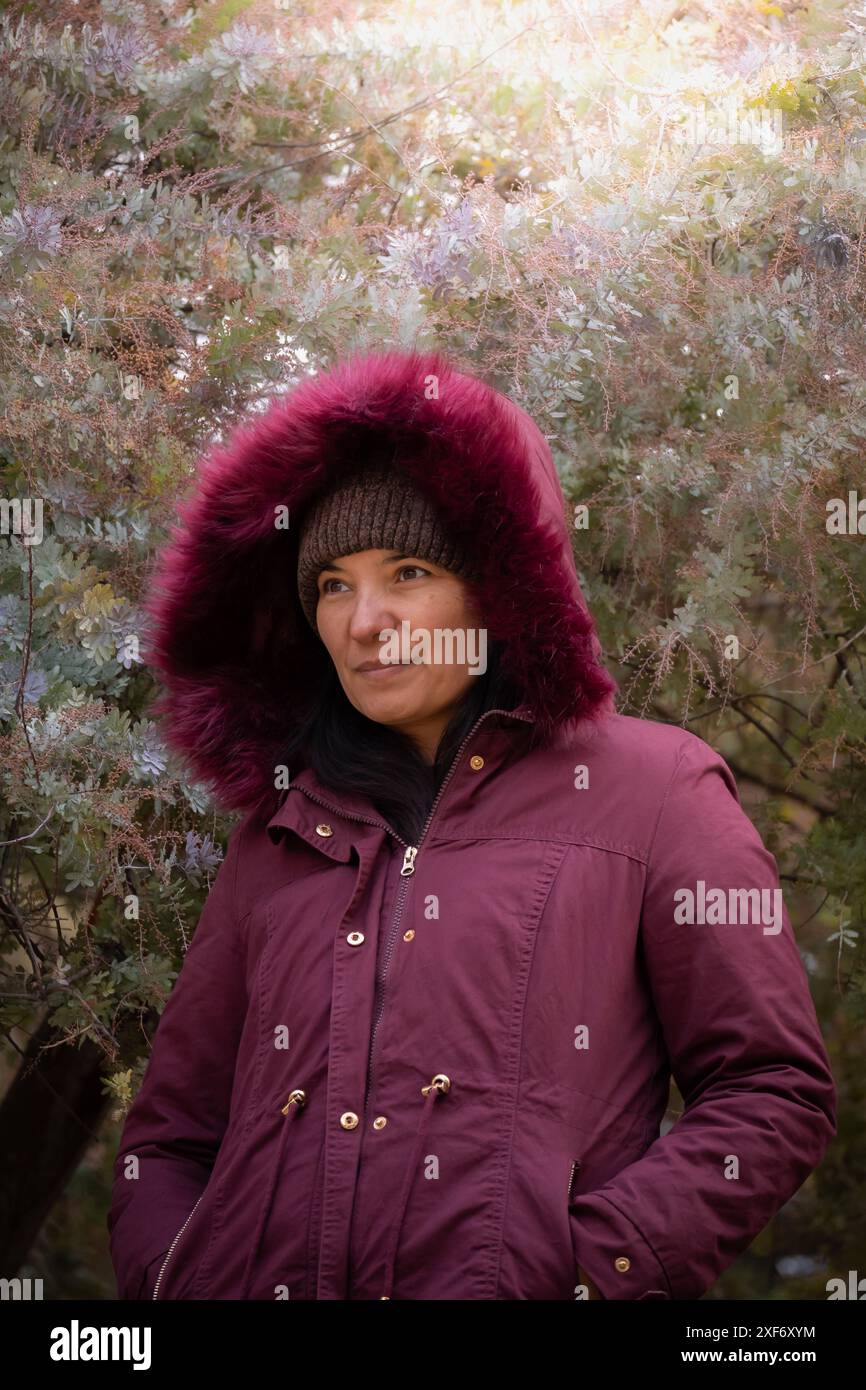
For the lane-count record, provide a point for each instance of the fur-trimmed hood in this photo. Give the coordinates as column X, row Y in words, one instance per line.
column 228, row 639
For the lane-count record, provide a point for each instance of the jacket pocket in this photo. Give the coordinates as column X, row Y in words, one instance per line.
column 314, row 1223
column 150, row 1275
column 575, row 1169
column 574, row 1187
column 263, row 1191
column 159, row 1288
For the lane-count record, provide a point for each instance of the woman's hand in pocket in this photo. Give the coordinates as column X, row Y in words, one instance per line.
column 592, row 1290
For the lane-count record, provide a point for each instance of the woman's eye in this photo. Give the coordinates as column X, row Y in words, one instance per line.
column 412, row 570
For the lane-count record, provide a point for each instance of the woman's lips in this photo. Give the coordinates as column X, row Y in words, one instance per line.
column 381, row 672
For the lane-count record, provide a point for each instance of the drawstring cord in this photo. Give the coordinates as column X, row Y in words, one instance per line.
column 440, row 1085
column 292, row 1107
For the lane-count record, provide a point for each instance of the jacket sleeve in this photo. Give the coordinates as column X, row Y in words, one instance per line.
column 175, row 1125
column 745, row 1050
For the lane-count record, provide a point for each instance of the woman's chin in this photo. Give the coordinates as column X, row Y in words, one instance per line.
column 388, row 709
column 388, row 694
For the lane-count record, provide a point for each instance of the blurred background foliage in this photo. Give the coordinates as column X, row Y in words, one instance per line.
column 642, row 220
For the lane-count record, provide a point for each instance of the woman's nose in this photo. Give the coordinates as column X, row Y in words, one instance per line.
column 372, row 611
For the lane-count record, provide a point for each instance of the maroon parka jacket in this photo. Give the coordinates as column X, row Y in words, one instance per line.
column 439, row 1071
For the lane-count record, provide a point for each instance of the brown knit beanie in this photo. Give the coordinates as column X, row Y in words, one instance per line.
column 373, row 507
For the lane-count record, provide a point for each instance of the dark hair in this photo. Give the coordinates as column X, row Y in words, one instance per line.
column 349, row 752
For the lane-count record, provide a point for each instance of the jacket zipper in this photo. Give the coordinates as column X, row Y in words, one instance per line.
column 406, row 870
column 171, row 1250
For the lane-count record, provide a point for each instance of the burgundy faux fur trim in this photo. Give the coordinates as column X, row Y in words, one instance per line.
column 228, row 638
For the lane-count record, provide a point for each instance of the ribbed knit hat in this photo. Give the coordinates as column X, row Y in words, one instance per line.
column 372, row 507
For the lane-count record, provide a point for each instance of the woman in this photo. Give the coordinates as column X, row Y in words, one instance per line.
column 471, row 920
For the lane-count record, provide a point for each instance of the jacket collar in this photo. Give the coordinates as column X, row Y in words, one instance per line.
column 308, row 803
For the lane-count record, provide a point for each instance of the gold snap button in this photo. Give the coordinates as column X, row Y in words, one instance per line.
column 324, row 829
column 355, row 938
column 348, row 1119
column 407, row 935
column 379, row 1122
column 622, row 1263
column 476, row 763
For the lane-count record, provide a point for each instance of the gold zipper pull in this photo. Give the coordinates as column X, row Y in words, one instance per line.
column 409, row 861
column 298, row 1098
column 440, row 1083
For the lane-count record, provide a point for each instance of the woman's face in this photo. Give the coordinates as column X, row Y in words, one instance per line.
column 365, row 594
